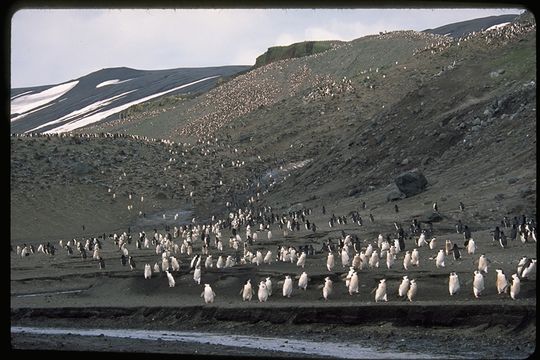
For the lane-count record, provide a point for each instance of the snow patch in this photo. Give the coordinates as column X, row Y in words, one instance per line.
column 111, row 82
column 22, row 104
column 75, row 124
column 495, row 27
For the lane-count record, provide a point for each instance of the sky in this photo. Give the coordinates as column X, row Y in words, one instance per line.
column 52, row 46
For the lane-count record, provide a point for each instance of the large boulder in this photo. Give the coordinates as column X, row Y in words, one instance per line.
column 394, row 195
column 411, row 182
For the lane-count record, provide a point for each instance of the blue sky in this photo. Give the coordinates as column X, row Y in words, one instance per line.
column 52, row 46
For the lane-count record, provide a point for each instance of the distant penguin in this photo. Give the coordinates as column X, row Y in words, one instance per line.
column 101, row 263
column 156, row 268
column 303, row 281
column 433, row 244
column 268, row 257
column 471, row 247
column 380, row 293
column 247, row 291
column 478, row 284
column 287, row 286
column 530, row 269
column 389, row 259
column 435, row 207
column 453, row 283
column 330, row 261
column 415, row 258
column 413, row 289
column 208, row 262
column 268, row 283
column 301, row 260
column 208, row 294
column 344, row 257
column 461, row 206
column 522, row 265
column 262, row 293
column 327, row 289
column 175, row 265
column 131, row 263
column 421, row 240
column 170, row 278
column 197, row 275
column 369, row 251
column 404, row 286
column 165, row 264
column 516, row 286
column 220, row 262
column 407, row 260
column 353, row 283
column 483, row 263
column 502, row 282
column 503, row 241
column 455, row 252
column 374, row 260
column 439, row 260
column 448, row 247
column 147, row 271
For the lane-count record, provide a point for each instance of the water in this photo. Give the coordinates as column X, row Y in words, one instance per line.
column 52, row 293
column 304, row 347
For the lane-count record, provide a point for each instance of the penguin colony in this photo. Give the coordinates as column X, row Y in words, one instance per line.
column 179, row 253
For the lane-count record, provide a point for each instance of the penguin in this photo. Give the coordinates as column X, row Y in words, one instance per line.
column 196, row 261
column 131, row 263
column 101, row 263
column 524, row 262
column 374, row 260
column 330, row 261
column 287, row 286
column 415, row 258
column 380, row 293
column 407, row 260
column 527, row 271
column 147, row 271
column 435, row 207
column 404, row 286
column 301, row 260
column 220, row 262
column 478, row 284
column 471, row 246
column 503, row 241
column 247, row 291
column 413, row 288
column 353, row 283
column 439, row 260
column 262, row 293
column 268, row 257
column 156, row 268
column 327, row 289
column 502, row 282
column 421, row 240
column 396, row 209
column 208, row 262
column 515, row 288
column 433, row 244
column 170, row 278
column 175, row 266
column 453, row 283
column 197, row 275
column 268, row 283
column 483, row 263
column 303, row 281
column 165, row 264
column 344, row 257
column 448, row 247
column 389, row 259
column 208, row 294
column 461, row 206
column 456, row 252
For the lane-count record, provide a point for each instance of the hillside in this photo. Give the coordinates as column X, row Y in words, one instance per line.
column 465, row 28
column 295, row 50
column 104, row 94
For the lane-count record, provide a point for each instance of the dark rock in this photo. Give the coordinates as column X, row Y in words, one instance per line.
column 355, row 191
column 513, row 180
column 499, row 197
column 82, row 168
column 395, row 195
column 411, row 182
column 161, row 195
